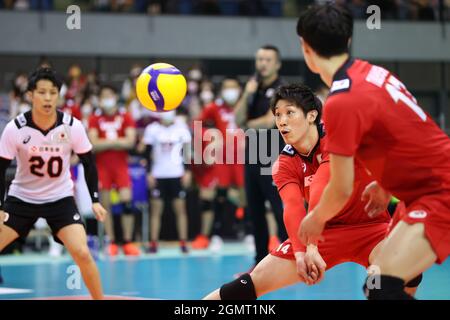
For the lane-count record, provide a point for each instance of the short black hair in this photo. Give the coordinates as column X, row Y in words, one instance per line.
column 273, row 48
column 108, row 87
column 299, row 94
column 43, row 73
column 326, row 28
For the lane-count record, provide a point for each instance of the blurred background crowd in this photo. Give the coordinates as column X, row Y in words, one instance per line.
column 423, row 10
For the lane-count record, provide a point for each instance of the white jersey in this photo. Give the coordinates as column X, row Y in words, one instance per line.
column 43, row 157
column 167, row 143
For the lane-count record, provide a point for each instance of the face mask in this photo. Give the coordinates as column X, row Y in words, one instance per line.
column 206, row 96
column 86, row 110
column 230, row 96
column 109, row 103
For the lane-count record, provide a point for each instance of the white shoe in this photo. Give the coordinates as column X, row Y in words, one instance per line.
column 249, row 242
column 216, row 244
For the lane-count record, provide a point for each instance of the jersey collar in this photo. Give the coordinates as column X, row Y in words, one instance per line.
column 310, row 156
column 31, row 124
column 341, row 73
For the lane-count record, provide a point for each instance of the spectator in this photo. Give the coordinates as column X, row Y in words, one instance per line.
column 112, row 133
column 167, row 177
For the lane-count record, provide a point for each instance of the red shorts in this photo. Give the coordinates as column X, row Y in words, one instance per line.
column 343, row 244
column 230, row 175
column 110, row 177
column 434, row 212
column 205, row 176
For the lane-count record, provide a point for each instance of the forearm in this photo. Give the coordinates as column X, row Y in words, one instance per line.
column 293, row 213
column 240, row 111
column 90, row 174
column 263, row 122
column 333, row 200
column 4, row 164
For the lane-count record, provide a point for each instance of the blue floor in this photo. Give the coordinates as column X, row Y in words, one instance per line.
column 169, row 275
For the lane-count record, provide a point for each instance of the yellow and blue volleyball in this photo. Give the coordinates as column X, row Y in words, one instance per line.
column 161, row 87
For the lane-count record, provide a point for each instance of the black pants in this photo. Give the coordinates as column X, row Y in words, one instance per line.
column 258, row 189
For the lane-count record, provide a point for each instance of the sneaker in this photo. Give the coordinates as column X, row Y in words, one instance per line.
column 130, row 249
column 200, row 242
column 153, row 247
column 113, row 249
column 239, row 213
column 274, row 243
column 249, row 242
column 216, row 244
column 183, row 247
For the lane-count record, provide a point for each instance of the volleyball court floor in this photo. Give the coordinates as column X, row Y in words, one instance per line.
column 172, row 275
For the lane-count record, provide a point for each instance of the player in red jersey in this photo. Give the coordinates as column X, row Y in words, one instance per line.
column 371, row 116
column 227, row 170
column 301, row 173
column 112, row 132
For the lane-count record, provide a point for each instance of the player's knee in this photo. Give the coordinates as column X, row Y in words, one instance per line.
column 82, row 255
column 222, row 194
column 207, row 205
column 241, row 288
column 388, row 288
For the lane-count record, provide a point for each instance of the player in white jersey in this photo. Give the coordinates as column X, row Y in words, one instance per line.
column 42, row 141
column 166, row 174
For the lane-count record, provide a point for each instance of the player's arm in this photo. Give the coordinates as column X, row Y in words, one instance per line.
column 266, row 121
column 90, row 174
column 293, row 213
column 127, row 142
column 4, row 164
column 241, row 108
column 334, row 197
column 99, row 144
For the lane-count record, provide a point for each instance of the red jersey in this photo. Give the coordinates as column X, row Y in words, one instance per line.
column 111, row 127
column 291, row 167
column 221, row 116
column 371, row 115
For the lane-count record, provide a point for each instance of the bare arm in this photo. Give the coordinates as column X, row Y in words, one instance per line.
column 266, row 121
column 334, row 197
column 240, row 110
column 101, row 144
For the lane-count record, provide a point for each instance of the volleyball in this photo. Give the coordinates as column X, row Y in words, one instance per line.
column 161, row 87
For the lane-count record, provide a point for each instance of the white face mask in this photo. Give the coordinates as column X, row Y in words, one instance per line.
column 108, row 103
column 206, row 96
column 230, row 95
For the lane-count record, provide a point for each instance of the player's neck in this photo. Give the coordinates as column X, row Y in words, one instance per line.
column 307, row 144
column 330, row 66
column 43, row 122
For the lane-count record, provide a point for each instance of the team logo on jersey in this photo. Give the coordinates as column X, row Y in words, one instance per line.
column 270, row 92
column 308, row 180
column 304, row 167
column 417, row 214
column 288, row 149
column 340, row 85
column 76, row 217
column 27, row 139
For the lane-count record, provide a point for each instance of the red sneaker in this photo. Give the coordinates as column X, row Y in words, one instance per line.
column 130, row 249
column 183, row 247
column 153, row 247
column 113, row 250
column 200, row 242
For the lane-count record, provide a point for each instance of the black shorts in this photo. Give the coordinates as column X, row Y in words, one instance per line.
column 169, row 188
column 23, row 215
